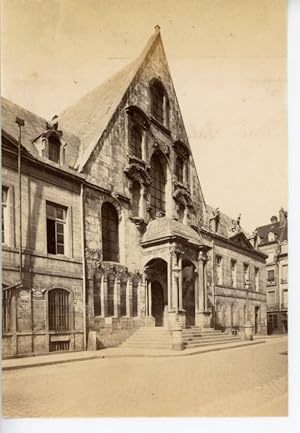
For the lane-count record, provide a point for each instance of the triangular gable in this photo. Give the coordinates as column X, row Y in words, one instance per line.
column 90, row 116
column 241, row 240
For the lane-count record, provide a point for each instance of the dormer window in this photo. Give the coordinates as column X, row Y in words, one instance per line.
column 54, row 149
column 271, row 237
column 159, row 103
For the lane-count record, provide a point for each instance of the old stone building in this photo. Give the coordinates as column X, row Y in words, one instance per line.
column 116, row 234
column 272, row 240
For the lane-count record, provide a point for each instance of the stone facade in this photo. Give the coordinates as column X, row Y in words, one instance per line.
column 139, row 245
column 272, row 240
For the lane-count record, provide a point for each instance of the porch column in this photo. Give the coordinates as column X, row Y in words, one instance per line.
column 200, row 287
column 202, row 314
column 150, row 299
column 146, row 297
column 104, row 291
column 116, row 297
column 180, row 281
column 174, row 281
column 103, row 296
column 129, row 298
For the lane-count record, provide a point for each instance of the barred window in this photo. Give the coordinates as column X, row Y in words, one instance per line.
column 136, row 138
column 56, row 221
column 110, row 233
column 157, row 186
column 58, row 310
column 179, row 169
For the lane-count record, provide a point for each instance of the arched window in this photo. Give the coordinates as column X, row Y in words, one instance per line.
column 110, row 233
column 58, row 310
column 159, row 103
column 136, row 196
column 54, row 148
column 135, row 284
column 179, row 169
column 271, row 237
column 136, row 138
column 123, row 290
column 157, row 186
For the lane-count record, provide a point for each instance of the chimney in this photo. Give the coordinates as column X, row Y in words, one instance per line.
column 282, row 216
column 274, row 219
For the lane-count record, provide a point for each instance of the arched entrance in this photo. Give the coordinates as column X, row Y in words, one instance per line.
column 188, row 292
column 157, row 293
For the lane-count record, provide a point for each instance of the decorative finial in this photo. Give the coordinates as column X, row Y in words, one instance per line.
column 157, row 28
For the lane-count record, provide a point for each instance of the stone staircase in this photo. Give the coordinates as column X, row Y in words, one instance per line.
column 149, row 338
column 158, row 338
column 195, row 337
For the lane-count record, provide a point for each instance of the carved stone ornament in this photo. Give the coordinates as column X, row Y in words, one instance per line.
column 138, row 172
column 182, row 196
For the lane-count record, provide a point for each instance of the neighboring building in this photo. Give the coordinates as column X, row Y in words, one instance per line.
column 272, row 239
column 115, row 230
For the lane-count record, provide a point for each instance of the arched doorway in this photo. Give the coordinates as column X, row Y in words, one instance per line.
column 188, row 293
column 157, row 294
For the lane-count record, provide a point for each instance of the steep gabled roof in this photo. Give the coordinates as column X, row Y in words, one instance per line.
column 89, row 117
column 34, row 126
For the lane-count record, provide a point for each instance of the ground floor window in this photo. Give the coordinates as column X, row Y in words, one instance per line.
column 6, row 297
column 58, row 310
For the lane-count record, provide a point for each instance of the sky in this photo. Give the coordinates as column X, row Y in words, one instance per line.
column 227, row 60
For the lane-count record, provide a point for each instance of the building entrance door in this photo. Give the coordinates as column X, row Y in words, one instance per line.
column 256, row 320
column 157, row 295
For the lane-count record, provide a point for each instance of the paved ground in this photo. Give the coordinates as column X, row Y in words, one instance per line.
column 247, row 381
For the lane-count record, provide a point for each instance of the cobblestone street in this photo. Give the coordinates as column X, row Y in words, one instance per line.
column 249, row 381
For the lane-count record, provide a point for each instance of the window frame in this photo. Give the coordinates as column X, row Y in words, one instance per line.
column 53, row 140
column 246, row 273
column 59, row 310
column 159, row 103
column 58, row 222
column 5, row 235
column 135, row 141
column 110, row 233
column 219, row 268
column 157, row 186
column 233, row 280
column 256, row 278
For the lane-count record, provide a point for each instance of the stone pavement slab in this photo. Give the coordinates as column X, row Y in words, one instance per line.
column 116, row 352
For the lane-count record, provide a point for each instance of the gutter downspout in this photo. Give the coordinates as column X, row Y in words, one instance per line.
column 83, row 264
column 20, row 123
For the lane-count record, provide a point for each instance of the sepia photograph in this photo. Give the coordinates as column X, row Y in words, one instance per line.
column 144, row 208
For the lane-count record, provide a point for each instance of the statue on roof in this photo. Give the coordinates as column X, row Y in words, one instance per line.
column 215, row 219
column 236, row 224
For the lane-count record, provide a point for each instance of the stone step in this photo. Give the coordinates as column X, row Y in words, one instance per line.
column 205, row 338
column 210, row 343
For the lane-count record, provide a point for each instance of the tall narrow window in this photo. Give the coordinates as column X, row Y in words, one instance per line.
column 246, row 274
column 110, row 233
column 271, row 276
column 271, row 298
column 4, row 215
column 233, row 274
column 179, row 169
column 284, row 276
column 6, row 298
column 97, row 297
column 135, row 284
column 56, row 225
column 136, row 138
column 58, row 310
column 157, row 186
column 110, row 295
column 54, row 148
column 123, row 291
column 157, row 101
column 136, row 197
column 219, row 266
column 256, row 279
